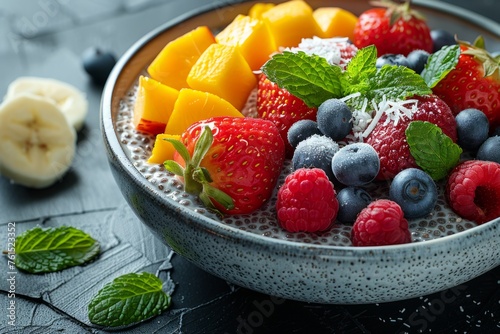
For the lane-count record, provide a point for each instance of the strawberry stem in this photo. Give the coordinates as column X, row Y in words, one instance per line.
column 197, row 179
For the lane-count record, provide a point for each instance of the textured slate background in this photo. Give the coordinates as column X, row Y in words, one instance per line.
column 45, row 38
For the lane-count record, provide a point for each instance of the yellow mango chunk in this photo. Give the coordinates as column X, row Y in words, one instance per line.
column 335, row 22
column 253, row 38
column 172, row 65
column 258, row 9
column 222, row 70
column 153, row 106
column 290, row 22
column 162, row 149
column 193, row 106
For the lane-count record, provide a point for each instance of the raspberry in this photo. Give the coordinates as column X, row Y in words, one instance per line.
column 307, row 201
column 389, row 140
column 473, row 190
column 381, row 223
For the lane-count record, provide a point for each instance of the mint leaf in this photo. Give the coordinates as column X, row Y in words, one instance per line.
column 440, row 64
column 308, row 77
column 396, row 83
column 433, row 151
column 359, row 71
column 52, row 249
column 128, row 299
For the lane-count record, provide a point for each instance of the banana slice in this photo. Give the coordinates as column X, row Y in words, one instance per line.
column 37, row 143
column 68, row 98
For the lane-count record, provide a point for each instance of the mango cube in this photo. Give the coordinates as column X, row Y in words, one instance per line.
column 335, row 22
column 153, row 106
column 162, row 149
column 222, row 70
column 258, row 9
column 253, row 38
column 290, row 22
column 194, row 105
column 172, row 65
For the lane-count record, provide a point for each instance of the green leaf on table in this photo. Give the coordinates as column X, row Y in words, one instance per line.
column 52, row 249
column 308, row 77
column 432, row 150
column 440, row 64
column 128, row 299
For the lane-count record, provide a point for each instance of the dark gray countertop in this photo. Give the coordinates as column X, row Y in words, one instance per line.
column 46, row 38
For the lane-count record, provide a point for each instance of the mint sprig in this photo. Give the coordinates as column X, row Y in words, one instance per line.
column 440, row 64
column 432, row 150
column 309, row 77
column 312, row 79
column 128, row 299
column 52, row 249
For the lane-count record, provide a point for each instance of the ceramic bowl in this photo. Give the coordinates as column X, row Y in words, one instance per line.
column 250, row 251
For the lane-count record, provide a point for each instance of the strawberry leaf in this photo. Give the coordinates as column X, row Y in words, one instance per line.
column 440, row 64
column 52, row 249
column 433, row 151
column 128, row 299
column 308, row 77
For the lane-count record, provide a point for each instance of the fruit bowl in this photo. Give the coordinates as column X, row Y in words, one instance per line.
column 251, row 250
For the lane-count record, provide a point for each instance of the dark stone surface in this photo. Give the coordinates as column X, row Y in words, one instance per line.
column 46, row 38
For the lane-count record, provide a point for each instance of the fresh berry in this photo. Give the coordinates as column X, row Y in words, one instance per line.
column 472, row 128
column 389, row 139
column 232, row 162
column 98, row 64
column 351, row 201
column 381, row 223
column 356, row 164
column 474, row 82
column 316, row 151
column 301, row 130
column 490, row 149
column 306, row 201
column 417, row 60
column 396, row 29
column 334, row 119
column 415, row 192
column 392, row 59
column 282, row 108
column 473, row 190
column 441, row 38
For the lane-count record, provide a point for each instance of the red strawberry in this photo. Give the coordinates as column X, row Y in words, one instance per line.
column 473, row 83
column 473, row 190
column 307, row 201
column 389, row 140
column 282, row 108
column 393, row 29
column 381, row 223
column 234, row 167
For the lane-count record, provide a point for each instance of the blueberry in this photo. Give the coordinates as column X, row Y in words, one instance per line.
column 334, row 119
column 356, row 164
column 301, row 130
column 414, row 191
column 495, row 54
column 392, row 59
column 351, row 201
column 98, row 64
column 496, row 132
column 315, row 152
column 441, row 38
column 472, row 128
column 417, row 60
column 490, row 150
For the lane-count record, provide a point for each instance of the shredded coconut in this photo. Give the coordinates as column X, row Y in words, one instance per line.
column 328, row 48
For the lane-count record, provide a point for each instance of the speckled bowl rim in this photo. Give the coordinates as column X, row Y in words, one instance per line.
column 115, row 148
